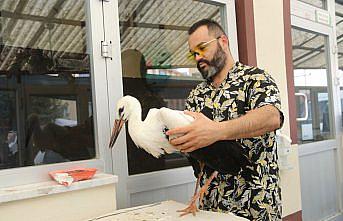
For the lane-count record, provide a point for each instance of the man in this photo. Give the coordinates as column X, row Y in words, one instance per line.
column 245, row 105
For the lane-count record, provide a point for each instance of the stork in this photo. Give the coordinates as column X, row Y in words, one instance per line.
column 226, row 157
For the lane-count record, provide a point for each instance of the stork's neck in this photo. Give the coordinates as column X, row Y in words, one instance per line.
column 136, row 114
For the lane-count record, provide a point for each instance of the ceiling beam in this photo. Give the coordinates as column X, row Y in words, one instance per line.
column 183, row 42
column 307, row 48
column 54, row 11
column 153, row 26
column 12, row 23
column 43, row 19
column 10, row 26
column 133, row 16
column 339, row 39
column 18, row 9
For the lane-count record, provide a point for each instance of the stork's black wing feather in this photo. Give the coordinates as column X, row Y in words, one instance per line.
column 195, row 164
column 226, row 157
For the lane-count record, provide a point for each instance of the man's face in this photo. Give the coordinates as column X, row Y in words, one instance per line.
column 207, row 52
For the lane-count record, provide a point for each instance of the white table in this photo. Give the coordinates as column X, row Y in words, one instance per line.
column 164, row 211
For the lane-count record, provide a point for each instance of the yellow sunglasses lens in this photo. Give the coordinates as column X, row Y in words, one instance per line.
column 198, row 51
column 190, row 55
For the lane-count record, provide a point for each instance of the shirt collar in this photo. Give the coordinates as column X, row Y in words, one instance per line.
column 233, row 70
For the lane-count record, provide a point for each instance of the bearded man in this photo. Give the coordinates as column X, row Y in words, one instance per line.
column 235, row 102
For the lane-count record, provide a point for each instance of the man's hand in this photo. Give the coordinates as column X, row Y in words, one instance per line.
column 201, row 133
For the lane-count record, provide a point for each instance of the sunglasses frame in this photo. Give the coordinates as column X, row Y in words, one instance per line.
column 200, row 48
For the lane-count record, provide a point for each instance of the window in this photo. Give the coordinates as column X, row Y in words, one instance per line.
column 314, row 114
column 156, row 70
column 45, row 83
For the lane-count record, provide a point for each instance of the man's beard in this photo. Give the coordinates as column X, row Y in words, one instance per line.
column 215, row 65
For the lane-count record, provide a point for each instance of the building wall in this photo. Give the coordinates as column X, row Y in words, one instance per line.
column 270, row 53
column 69, row 206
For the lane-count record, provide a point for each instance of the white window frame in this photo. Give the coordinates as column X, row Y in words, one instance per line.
column 35, row 174
column 159, row 179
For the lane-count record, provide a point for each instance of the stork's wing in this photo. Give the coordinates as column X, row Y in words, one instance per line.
column 152, row 137
column 174, row 118
column 153, row 116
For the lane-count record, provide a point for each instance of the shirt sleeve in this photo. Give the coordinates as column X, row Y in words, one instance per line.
column 264, row 91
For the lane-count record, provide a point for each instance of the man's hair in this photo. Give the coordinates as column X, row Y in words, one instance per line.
column 212, row 26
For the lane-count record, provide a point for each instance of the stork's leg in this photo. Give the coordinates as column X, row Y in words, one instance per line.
column 192, row 207
column 204, row 188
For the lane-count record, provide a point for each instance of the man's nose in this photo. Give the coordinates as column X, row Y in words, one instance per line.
column 197, row 57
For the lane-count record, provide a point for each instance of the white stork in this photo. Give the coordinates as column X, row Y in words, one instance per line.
column 150, row 133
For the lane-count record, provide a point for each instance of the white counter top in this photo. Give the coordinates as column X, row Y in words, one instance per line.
column 164, row 211
column 51, row 187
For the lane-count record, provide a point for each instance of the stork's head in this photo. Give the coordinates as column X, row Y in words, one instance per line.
column 126, row 107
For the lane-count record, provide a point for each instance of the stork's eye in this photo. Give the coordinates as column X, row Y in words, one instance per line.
column 121, row 111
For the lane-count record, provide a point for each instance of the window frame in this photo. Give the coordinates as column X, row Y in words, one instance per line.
column 35, row 174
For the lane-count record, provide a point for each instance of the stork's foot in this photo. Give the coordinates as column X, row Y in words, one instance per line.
column 191, row 208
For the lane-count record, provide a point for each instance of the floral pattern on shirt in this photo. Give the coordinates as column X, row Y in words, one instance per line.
column 255, row 192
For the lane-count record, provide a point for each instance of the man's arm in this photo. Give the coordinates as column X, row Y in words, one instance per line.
column 203, row 131
column 255, row 123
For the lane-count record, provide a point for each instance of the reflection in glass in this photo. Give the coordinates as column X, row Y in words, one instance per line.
column 310, row 80
column 45, row 85
column 317, row 3
column 8, row 129
column 155, row 66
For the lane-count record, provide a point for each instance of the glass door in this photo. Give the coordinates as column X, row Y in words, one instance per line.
column 150, row 62
column 155, row 67
column 318, row 109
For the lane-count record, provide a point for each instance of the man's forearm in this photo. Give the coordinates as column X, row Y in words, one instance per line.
column 255, row 123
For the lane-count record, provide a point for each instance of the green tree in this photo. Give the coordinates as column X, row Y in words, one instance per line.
column 47, row 108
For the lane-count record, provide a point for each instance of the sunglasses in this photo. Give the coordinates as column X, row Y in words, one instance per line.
column 200, row 49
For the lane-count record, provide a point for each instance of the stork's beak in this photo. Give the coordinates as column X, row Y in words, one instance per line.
column 118, row 124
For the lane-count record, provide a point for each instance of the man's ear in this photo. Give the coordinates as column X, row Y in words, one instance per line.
column 225, row 40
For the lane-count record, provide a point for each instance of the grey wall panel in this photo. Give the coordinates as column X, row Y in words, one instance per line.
column 318, row 185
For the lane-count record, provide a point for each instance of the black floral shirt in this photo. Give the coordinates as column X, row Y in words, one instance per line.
column 255, row 194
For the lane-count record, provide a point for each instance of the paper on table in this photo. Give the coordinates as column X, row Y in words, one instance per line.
column 164, row 211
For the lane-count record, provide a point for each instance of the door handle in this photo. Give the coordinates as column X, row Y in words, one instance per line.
column 306, row 107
